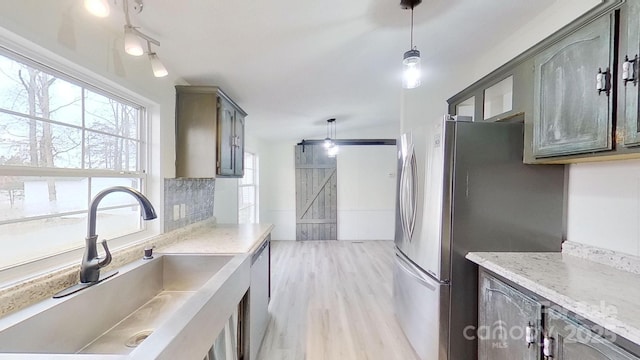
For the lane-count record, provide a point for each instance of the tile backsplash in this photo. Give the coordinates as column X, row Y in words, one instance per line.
column 187, row 201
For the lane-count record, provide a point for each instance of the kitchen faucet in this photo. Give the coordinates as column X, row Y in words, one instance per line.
column 91, row 263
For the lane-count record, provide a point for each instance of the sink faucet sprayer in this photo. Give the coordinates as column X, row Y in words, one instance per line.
column 91, row 263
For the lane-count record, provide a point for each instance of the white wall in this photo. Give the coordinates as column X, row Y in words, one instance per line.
column 366, row 192
column 225, row 205
column 604, row 205
column 278, row 189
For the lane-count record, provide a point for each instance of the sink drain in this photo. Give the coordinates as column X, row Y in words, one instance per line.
column 138, row 338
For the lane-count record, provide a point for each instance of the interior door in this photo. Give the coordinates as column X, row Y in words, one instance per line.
column 316, row 194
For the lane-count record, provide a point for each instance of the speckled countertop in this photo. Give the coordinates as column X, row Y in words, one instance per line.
column 221, row 239
column 604, row 294
column 205, row 237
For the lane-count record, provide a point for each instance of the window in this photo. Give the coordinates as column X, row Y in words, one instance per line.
column 248, row 191
column 61, row 142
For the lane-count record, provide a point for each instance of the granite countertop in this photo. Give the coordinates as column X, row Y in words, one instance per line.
column 603, row 294
column 221, row 239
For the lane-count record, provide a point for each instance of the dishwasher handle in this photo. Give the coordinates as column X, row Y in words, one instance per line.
column 256, row 255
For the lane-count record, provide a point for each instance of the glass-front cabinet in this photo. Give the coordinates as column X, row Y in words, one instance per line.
column 467, row 108
column 498, row 98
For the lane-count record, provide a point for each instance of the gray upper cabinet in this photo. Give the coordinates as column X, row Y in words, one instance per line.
column 571, row 340
column 629, row 131
column 504, row 314
column 231, row 141
column 570, row 114
column 569, row 89
column 209, row 133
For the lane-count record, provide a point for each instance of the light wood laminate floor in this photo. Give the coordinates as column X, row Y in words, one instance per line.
column 332, row 300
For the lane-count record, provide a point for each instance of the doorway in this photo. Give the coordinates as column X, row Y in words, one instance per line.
column 316, row 194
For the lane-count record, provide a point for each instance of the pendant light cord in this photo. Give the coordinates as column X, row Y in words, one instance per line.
column 411, row 28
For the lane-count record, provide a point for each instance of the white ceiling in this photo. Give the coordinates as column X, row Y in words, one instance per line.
column 293, row 64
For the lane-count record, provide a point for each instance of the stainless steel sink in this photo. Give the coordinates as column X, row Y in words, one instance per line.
column 152, row 302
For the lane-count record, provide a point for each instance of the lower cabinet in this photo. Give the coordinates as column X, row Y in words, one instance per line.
column 259, row 298
column 570, row 340
column 508, row 322
column 225, row 347
column 513, row 325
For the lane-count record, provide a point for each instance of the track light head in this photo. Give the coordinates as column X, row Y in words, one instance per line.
column 99, row 8
column 156, row 65
column 132, row 43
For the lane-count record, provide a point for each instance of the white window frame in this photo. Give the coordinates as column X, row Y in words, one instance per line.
column 16, row 48
column 254, row 184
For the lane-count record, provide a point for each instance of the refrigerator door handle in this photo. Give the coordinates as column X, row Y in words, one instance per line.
column 408, row 193
column 403, row 194
column 408, row 268
column 414, row 192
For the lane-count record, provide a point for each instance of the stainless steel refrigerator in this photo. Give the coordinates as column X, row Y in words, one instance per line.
column 462, row 186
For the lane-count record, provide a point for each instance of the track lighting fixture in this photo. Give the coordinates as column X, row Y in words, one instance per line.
column 132, row 36
column 411, row 59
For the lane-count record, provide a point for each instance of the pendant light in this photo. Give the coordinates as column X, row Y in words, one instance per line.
column 411, row 59
column 327, row 141
column 332, row 147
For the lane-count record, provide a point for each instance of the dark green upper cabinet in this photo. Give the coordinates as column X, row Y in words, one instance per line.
column 629, row 131
column 570, row 114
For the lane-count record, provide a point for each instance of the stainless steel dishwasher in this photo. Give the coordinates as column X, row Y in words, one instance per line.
column 259, row 297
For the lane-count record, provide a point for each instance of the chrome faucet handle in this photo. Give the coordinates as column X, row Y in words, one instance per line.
column 107, row 257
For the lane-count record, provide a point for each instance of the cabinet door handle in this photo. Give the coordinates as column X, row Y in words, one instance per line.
column 547, row 347
column 629, row 69
column 602, row 81
column 530, row 334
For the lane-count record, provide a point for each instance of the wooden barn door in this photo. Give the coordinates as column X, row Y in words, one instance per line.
column 316, row 194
